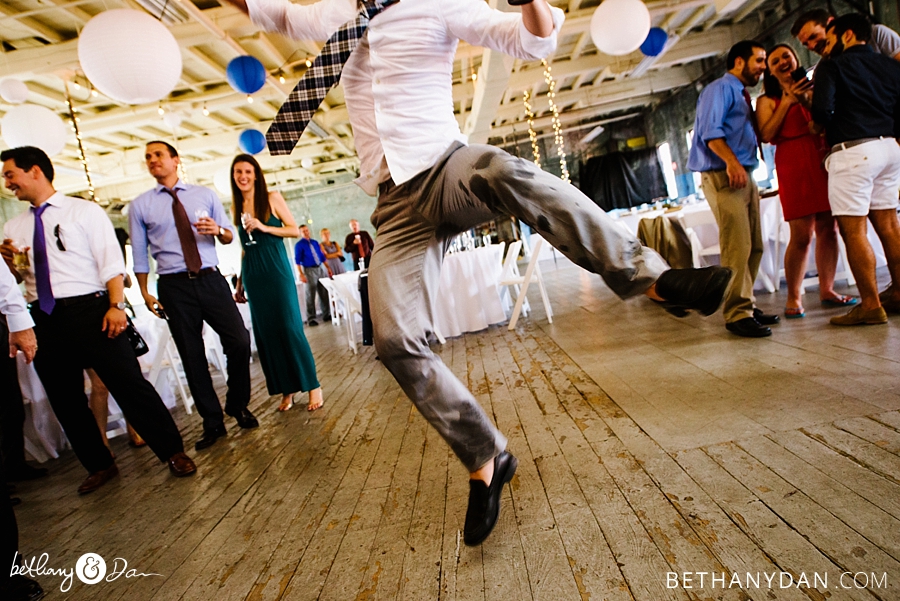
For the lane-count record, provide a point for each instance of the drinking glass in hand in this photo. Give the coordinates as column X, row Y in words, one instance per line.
column 20, row 257
column 245, row 219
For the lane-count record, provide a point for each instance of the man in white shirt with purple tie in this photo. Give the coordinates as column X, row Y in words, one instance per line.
column 74, row 282
column 431, row 185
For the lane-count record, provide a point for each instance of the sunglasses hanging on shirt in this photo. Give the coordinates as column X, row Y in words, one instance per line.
column 59, row 242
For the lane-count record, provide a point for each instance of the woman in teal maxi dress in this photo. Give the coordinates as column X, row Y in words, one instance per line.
column 263, row 220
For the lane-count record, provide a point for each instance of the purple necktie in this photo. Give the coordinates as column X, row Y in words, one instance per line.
column 41, row 268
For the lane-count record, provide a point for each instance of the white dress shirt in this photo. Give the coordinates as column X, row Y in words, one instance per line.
column 398, row 82
column 92, row 256
column 12, row 303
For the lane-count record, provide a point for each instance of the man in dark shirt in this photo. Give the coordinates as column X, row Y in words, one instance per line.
column 358, row 243
column 857, row 99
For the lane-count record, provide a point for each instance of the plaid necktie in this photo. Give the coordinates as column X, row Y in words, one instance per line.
column 325, row 72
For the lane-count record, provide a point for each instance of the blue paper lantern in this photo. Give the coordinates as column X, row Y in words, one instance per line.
column 655, row 42
column 252, row 141
column 246, row 74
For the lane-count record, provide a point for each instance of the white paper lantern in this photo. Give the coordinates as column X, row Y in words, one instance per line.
column 129, row 56
column 619, row 27
column 13, row 91
column 171, row 119
column 306, row 163
column 33, row 125
column 222, row 180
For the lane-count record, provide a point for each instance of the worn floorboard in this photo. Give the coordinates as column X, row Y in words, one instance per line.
column 659, row 459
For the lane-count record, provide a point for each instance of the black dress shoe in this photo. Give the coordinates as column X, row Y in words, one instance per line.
column 313, row 322
column 484, row 500
column 701, row 290
column 766, row 320
column 14, row 501
column 244, row 418
column 25, row 472
column 748, row 328
column 210, row 437
column 20, row 588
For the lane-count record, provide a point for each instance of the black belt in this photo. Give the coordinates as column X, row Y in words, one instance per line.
column 78, row 300
column 187, row 275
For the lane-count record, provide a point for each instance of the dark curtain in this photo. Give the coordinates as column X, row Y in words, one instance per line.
column 622, row 180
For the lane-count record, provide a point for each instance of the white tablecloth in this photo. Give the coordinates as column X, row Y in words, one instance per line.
column 468, row 298
column 771, row 224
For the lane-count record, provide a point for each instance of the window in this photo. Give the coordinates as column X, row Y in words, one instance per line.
column 668, row 168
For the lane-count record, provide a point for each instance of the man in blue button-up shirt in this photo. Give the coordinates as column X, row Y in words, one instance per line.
column 725, row 153
column 310, row 260
column 189, row 297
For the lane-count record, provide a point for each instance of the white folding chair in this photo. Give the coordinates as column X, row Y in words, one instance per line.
column 532, row 271
column 334, row 299
column 690, row 221
column 695, row 219
column 166, row 357
column 509, row 271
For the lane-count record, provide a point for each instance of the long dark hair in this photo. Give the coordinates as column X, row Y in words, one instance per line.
column 261, row 208
column 771, row 85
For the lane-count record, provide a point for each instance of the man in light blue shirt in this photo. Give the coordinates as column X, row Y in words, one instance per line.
column 180, row 222
column 310, row 260
column 725, row 153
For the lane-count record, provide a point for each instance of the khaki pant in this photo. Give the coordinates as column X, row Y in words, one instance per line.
column 740, row 238
column 468, row 186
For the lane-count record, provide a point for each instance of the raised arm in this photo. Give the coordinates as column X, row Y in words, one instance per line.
column 530, row 35
column 299, row 21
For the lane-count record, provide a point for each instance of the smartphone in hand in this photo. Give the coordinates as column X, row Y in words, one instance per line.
column 798, row 74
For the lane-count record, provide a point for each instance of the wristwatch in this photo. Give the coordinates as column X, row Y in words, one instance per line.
column 221, row 231
column 120, row 306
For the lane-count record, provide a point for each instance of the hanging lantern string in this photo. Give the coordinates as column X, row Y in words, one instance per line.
column 84, row 161
column 535, row 151
column 557, row 129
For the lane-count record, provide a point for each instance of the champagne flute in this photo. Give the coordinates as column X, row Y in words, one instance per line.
column 245, row 219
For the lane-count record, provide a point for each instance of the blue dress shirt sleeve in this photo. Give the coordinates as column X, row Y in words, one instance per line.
column 139, row 241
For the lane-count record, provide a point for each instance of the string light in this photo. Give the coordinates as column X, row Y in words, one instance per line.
column 557, row 129
column 249, row 99
column 535, row 151
column 81, row 152
column 205, row 110
column 308, row 63
column 160, row 109
column 474, row 76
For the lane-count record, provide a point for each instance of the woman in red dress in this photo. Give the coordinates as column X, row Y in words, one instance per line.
column 782, row 113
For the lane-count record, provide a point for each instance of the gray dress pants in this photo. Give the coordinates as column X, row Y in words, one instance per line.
column 468, row 186
column 313, row 288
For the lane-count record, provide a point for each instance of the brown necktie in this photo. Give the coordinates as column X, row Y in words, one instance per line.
column 185, row 234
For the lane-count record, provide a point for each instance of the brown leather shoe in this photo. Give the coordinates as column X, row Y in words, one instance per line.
column 859, row 316
column 181, row 465
column 98, row 479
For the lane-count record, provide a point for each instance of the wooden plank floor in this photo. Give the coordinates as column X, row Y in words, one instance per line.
column 647, row 446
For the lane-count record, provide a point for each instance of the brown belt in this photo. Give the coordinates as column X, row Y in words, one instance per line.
column 852, row 143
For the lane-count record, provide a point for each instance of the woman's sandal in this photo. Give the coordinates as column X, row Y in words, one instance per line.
column 794, row 312
column 839, row 301
column 286, row 406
